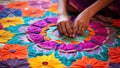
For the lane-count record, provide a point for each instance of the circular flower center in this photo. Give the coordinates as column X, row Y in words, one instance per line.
column 34, row 12
column 9, row 20
column 12, row 51
column 45, row 63
column 18, row 4
column 88, row 66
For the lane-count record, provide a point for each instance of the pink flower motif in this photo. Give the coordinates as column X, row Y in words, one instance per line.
column 87, row 45
column 96, row 24
column 99, row 40
column 34, row 29
column 67, row 47
column 48, row 45
column 102, row 31
column 2, row 8
column 40, row 23
column 36, row 38
column 52, row 20
column 42, row 4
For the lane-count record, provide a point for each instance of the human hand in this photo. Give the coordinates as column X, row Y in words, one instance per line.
column 81, row 22
column 64, row 25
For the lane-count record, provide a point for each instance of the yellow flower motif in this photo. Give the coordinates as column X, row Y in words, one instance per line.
column 5, row 36
column 11, row 21
column 53, row 8
column 45, row 62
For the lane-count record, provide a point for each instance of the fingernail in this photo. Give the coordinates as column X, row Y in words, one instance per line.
column 73, row 35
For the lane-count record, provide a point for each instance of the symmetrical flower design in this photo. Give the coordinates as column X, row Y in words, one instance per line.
column 18, row 5
column 45, row 62
column 13, row 51
column 11, row 21
column 10, row 12
column 92, row 39
column 114, row 55
column 5, row 36
column 52, row 8
column 14, row 63
column 86, row 62
column 33, row 23
column 41, row 4
column 33, row 12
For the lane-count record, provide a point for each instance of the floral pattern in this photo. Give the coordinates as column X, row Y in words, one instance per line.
column 11, row 21
column 5, row 36
column 86, row 62
column 42, row 4
column 52, row 8
column 10, row 13
column 13, row 51
column 45, row 61
column 114, row 55
column 14, row 63
column 33, row 12
column 28, row 32
column 18, row 5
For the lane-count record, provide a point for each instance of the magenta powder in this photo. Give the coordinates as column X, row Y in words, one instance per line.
column 2, row 7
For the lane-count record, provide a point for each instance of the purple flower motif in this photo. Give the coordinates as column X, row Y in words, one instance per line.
column 67, row 47
column 36, row 38
column 34, row 29
column 101, row 31
column 99, row 39
column 14, row 63
column 40, row 4
column 2, row 7
column 40, row 23
column 51, row 20
column 111, row 42
column 87, row 45
column 10, row 12
column 48, row 45
column 45, row 5
column 1, row 27
column 67, row 50
column 114, row 65
column 95, row 51
column 96, row 24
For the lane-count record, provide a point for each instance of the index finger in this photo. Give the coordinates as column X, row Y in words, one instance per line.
column 75, row 27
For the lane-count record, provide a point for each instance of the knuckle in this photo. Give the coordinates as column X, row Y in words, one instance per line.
column 68, row 28
column 64, row 31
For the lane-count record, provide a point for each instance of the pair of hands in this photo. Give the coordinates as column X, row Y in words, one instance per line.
column 68, row 29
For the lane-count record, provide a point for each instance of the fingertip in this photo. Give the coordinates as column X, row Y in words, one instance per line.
column 73, row 35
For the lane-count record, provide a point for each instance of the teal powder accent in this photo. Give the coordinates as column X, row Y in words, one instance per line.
column 66, row 40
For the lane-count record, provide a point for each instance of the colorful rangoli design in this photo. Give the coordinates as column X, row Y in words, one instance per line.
column 29, row 39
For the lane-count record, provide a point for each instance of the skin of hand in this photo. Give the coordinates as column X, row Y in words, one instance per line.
column 64, row 25
column 82, row 20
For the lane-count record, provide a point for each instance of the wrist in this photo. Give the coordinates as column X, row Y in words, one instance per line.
column 62, row 17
